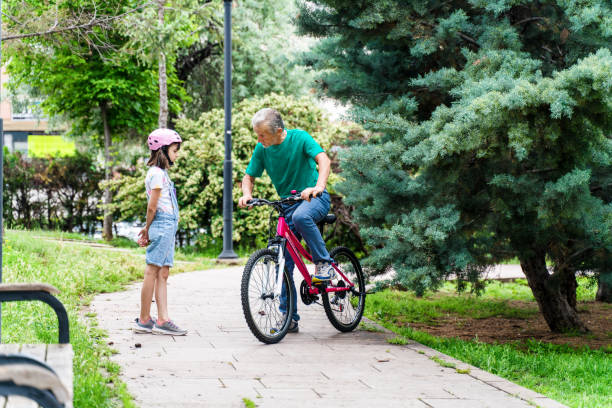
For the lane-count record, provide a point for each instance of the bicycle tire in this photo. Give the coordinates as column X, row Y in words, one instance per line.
column 339, row 306
column 264, row 307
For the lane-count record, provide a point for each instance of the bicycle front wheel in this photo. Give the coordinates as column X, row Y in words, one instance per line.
column 345, row 309
column 262, row 310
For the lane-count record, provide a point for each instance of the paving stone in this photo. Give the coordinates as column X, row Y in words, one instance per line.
column 514, row 389
column 547, row 403
column 476, row 403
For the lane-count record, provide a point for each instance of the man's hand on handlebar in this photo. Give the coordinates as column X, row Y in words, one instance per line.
column 309, row 193
column 243, row 202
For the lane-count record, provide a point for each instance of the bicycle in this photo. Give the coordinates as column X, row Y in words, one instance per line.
column 262, row 284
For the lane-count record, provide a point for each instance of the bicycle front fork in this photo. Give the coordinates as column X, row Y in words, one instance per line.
column 278, row 245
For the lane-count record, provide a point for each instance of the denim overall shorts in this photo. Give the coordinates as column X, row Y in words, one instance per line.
column 162, row 233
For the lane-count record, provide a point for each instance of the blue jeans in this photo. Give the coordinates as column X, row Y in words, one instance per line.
column 302, row 219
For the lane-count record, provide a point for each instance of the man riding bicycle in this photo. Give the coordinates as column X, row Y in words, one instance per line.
column 290, row 157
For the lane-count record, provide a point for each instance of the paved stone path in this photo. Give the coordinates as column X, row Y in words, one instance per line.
column 220, row 362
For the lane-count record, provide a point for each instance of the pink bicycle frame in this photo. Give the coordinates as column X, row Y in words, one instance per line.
column 297, row 251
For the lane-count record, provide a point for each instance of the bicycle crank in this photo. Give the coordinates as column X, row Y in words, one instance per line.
column 307, row 298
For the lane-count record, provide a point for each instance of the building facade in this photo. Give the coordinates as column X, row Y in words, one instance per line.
column 26, row 130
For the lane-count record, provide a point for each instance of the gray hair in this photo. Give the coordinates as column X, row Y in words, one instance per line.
column 270, row 117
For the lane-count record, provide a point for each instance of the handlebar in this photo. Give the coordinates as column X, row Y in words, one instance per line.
column 294, row 198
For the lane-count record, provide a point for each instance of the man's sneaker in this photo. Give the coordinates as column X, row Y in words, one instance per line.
column 324, row 272
column 293, row 326
column 143, row 327
column 168, row 328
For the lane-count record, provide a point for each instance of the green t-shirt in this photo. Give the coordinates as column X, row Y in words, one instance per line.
column 290, row 165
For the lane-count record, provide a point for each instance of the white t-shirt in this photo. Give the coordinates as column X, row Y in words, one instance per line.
column 158, row 178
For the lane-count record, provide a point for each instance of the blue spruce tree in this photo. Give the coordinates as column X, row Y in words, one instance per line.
column 494, row 124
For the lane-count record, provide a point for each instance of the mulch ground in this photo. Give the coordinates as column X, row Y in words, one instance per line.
column 597, row 316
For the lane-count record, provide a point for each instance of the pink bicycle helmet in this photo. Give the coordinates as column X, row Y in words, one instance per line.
column 162, row 137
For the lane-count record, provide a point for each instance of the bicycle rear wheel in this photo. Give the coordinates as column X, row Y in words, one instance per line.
column 345, row 309
column 261, row 308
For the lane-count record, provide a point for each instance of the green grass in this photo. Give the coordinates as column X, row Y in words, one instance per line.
column 51, row 234
column 519, row 290
column 119, row 242
column 443, row 363
column 580, row 378
column 189, row 254
column 405, row 306
column 79, row 272
column 515, row 261
column 122, row 242
column 248, row 403
column 186, row 254
column 369, row 327
column 399, row 340
column 213, row 251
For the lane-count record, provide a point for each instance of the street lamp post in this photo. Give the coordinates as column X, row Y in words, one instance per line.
column 228, row 250
column 1, row 174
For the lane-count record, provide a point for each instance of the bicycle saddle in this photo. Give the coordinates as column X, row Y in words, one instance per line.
column 328, row 219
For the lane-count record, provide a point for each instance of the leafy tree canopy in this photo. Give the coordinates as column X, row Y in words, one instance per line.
column 264, row 49
column 75, row 77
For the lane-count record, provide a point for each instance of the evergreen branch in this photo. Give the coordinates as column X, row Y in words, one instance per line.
column 596, row 188
column 468, row 38
column 530, row 19
column 461, row 34
column 541, row 170
column 573, row 256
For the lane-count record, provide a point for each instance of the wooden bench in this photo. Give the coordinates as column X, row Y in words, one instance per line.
column 39, row 374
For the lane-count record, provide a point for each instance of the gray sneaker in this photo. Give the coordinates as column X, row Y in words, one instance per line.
column 293, row 326
column 168, row 328
column 143, row 327
column 324, row 272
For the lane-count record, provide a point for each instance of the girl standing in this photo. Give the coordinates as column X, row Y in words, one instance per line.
column 159, row 233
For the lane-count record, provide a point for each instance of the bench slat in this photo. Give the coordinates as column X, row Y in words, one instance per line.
column 38, row 351
column 45, row 287
column 10, row 348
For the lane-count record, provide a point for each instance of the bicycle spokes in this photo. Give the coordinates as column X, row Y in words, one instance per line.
column 345, row 298
column 265, row 307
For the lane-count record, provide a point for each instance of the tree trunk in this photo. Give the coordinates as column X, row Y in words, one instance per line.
column 569, row 285
column 604, row 288
column 108, row 216
column 163, row 86
column 49, row 210
column 551, row 293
